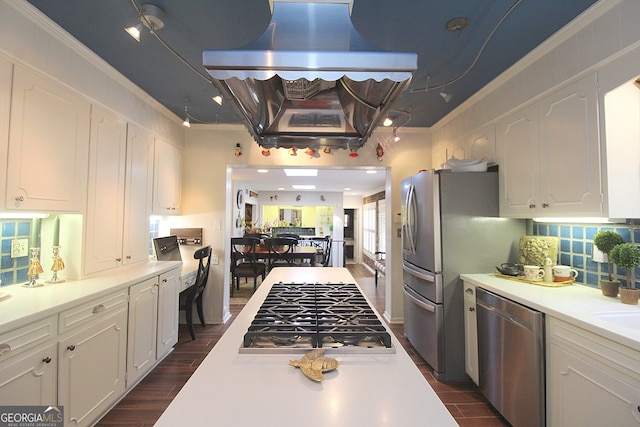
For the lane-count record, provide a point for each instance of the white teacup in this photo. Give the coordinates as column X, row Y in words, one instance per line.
column 533, row 273
column 562, row 273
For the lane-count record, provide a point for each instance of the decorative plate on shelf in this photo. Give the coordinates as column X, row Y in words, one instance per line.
column 240, row 198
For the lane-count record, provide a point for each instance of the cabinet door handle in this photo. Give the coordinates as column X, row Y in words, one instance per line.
column 71, row 347
column 128, row 256
column 165, row 280
column 469, row 290
column 532, row 206
column 545, row 205
column 97, row 309
column 118, row 259
column 472, row 309
column 4, row 349
column 20, row 199
column 47, row 360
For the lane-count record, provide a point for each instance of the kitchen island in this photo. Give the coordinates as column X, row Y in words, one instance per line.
column 233, row 389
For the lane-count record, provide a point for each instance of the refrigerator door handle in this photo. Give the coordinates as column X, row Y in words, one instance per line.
column 419, row 274
column 411, row 223
column 420, row 303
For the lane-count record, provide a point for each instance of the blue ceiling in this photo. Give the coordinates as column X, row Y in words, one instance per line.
column 192, row 26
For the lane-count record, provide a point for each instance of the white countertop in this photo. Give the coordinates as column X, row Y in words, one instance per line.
column 22, row 305
column 575, row 304
column 232, row 389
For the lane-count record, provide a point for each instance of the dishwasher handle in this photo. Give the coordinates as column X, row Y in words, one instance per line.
column 485, row 298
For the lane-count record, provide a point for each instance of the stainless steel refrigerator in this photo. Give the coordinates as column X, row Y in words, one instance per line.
column 450, row 225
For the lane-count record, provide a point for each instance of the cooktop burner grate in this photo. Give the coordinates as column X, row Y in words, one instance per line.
column 316, row 315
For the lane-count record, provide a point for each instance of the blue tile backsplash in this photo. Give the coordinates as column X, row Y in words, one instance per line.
column 576, row 248
column 13, row 270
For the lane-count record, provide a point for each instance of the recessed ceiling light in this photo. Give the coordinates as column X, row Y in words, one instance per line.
column 347, row 189
column 301, row 172
column 263, row 171
column 281, row 188
column 371, row 171
column 303, row 187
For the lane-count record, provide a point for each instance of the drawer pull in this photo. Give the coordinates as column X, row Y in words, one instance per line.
column 532, row 206
column 545, row 205
column 97, row 309
column 469, row 290
column 472, row 309
column 4, row 349
column 47, row 360
column 20, row 199
column 118, row 259
column 71, row 347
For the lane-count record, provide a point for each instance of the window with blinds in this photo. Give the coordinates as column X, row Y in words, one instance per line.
column 369, row 227
column 374, row 224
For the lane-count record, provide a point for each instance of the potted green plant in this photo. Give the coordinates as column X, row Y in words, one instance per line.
column 627, row 256
column 605, row 241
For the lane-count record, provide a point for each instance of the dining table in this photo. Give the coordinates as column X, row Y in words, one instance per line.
column 296, row 253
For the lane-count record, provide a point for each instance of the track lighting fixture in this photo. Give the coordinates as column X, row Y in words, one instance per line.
column 150, row 16
column 387, row 122
column 396, row 138
column 446, row 96
column 186, row 122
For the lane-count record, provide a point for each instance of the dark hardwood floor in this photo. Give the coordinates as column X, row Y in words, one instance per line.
column 146, row 402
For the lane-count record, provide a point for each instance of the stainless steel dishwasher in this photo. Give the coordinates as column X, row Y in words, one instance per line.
column 511, row 358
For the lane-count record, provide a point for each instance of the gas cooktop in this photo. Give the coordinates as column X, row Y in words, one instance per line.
column 297, row 317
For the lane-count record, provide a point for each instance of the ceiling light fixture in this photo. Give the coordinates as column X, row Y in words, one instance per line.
column 186, row 122
column 217, row 99
column 396, row 138
column 150, row 16
column 301, row 172
column 446, row 96
column 134, row 31
column 303, row 187
column 387, row 122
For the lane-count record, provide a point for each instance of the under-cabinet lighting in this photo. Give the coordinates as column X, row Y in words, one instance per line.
column 18, row 215
column 587, row 220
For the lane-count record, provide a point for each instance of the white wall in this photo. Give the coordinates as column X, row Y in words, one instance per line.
column 207, row 191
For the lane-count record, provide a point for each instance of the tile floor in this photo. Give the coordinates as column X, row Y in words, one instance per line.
column 146, row 402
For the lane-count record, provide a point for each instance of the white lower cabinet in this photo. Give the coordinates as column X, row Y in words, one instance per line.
column 28, row 364
column 168, row 300
column 92, row 358
column 591, row 381
column 141, row 342
column 470, row 332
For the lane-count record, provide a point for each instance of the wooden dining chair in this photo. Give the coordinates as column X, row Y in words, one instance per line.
column 279, row 249
column 193, row 294
column 326, row 254
column 244, row 262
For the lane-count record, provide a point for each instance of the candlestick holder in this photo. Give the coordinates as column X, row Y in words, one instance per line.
column 34, row 269
column 58, row 264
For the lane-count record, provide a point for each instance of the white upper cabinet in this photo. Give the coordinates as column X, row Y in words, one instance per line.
column 120, row 190
column 104, row 219
column 6, row 69
column 549, row 156
column 138, row 195
column 48, row 146
column 167, row 180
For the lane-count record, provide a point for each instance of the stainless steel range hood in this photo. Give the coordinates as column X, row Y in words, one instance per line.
column 311, row 80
